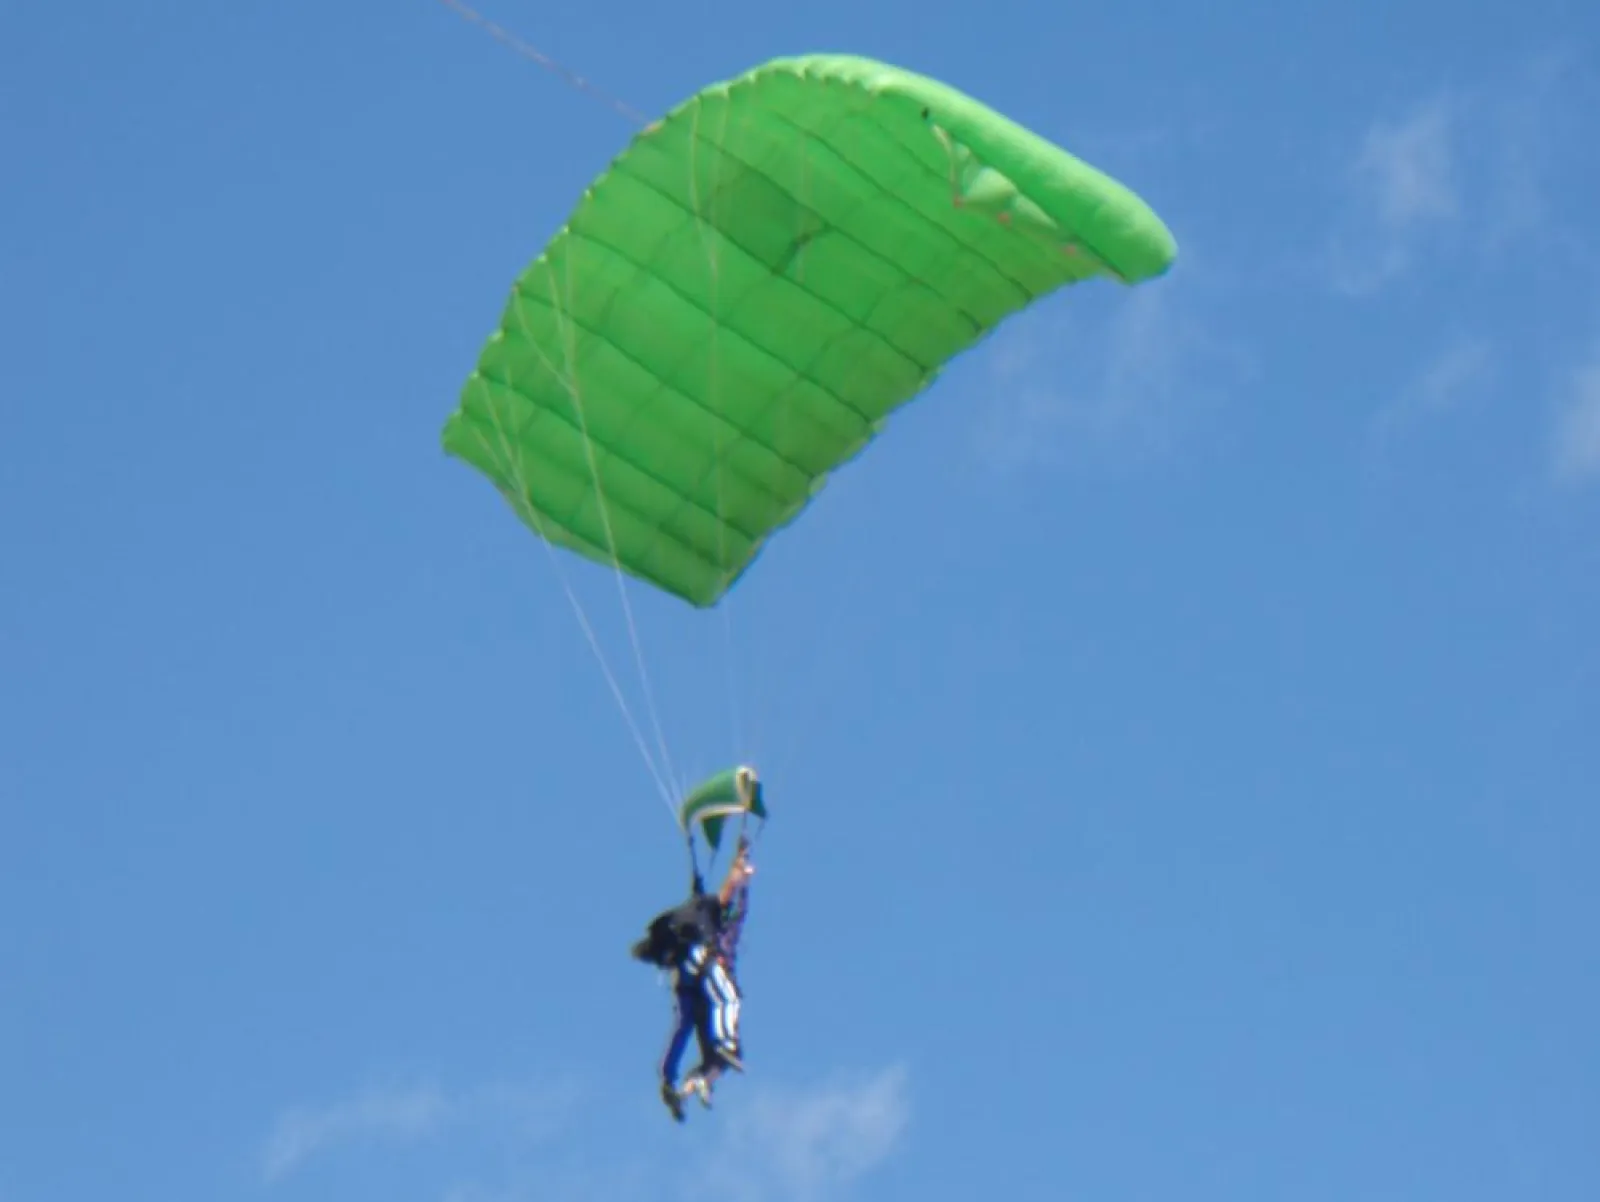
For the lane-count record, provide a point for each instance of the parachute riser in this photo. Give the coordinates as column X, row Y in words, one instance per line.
column 694, row 862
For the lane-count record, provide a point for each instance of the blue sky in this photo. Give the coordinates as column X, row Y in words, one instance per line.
column 1180, row 725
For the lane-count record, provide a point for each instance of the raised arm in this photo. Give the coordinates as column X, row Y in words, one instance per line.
column 740, row 871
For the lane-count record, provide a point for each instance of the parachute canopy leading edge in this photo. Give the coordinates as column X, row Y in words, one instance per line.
column 729, row 794
column 757, row 282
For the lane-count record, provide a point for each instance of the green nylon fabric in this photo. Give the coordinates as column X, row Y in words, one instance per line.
column 715, row 800
column 748, row 292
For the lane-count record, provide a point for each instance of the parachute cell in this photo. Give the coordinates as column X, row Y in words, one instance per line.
column 756, row 283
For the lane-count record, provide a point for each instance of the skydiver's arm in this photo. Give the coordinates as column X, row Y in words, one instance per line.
column 739, row 872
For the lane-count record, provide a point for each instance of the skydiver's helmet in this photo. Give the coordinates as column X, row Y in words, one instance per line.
column 661, row 945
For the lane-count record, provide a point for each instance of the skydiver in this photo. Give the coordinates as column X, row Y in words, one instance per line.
column 698, row 941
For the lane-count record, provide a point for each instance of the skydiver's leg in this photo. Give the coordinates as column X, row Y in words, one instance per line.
column 683, row 1024
column 697, row 1004
column 701, row 1077
column 718, row 1032
column 684, row 1015
column 723, row 993
column 685, row 1020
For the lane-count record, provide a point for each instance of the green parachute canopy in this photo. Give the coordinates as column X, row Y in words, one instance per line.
column 729, row 794
column 737, row 305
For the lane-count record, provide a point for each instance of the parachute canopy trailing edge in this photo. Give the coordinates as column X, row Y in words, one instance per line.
column 756, row 283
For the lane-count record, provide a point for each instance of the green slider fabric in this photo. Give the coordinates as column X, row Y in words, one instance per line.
column 752, row 287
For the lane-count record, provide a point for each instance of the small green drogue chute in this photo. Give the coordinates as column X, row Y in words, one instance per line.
column 737, row 305
column 735, row 793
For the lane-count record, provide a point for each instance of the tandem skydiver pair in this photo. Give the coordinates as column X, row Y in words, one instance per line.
column 697, row 942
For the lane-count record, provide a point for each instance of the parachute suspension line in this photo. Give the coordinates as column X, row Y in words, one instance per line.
column 766, row 714
column 791, row 729
column 706, row 227
column 536, row 56
column 570, row 355
column 525, row 510
column 729, row 641
column 661, row 774
column 578, row 83
column 730, row 654
column 662, row 785
column 694, row 858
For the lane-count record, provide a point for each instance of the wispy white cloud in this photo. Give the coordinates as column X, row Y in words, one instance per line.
column 1404, row 180
column 1532, row 123
column 763, row 1142
column 1462, row 172
column 1463, row 368
column 409, row 1114
column 1407, row 168
column 1577, row 435
column 385, row 1114
column 1118, row 374
column 1449, row 377
column 796, row 1144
